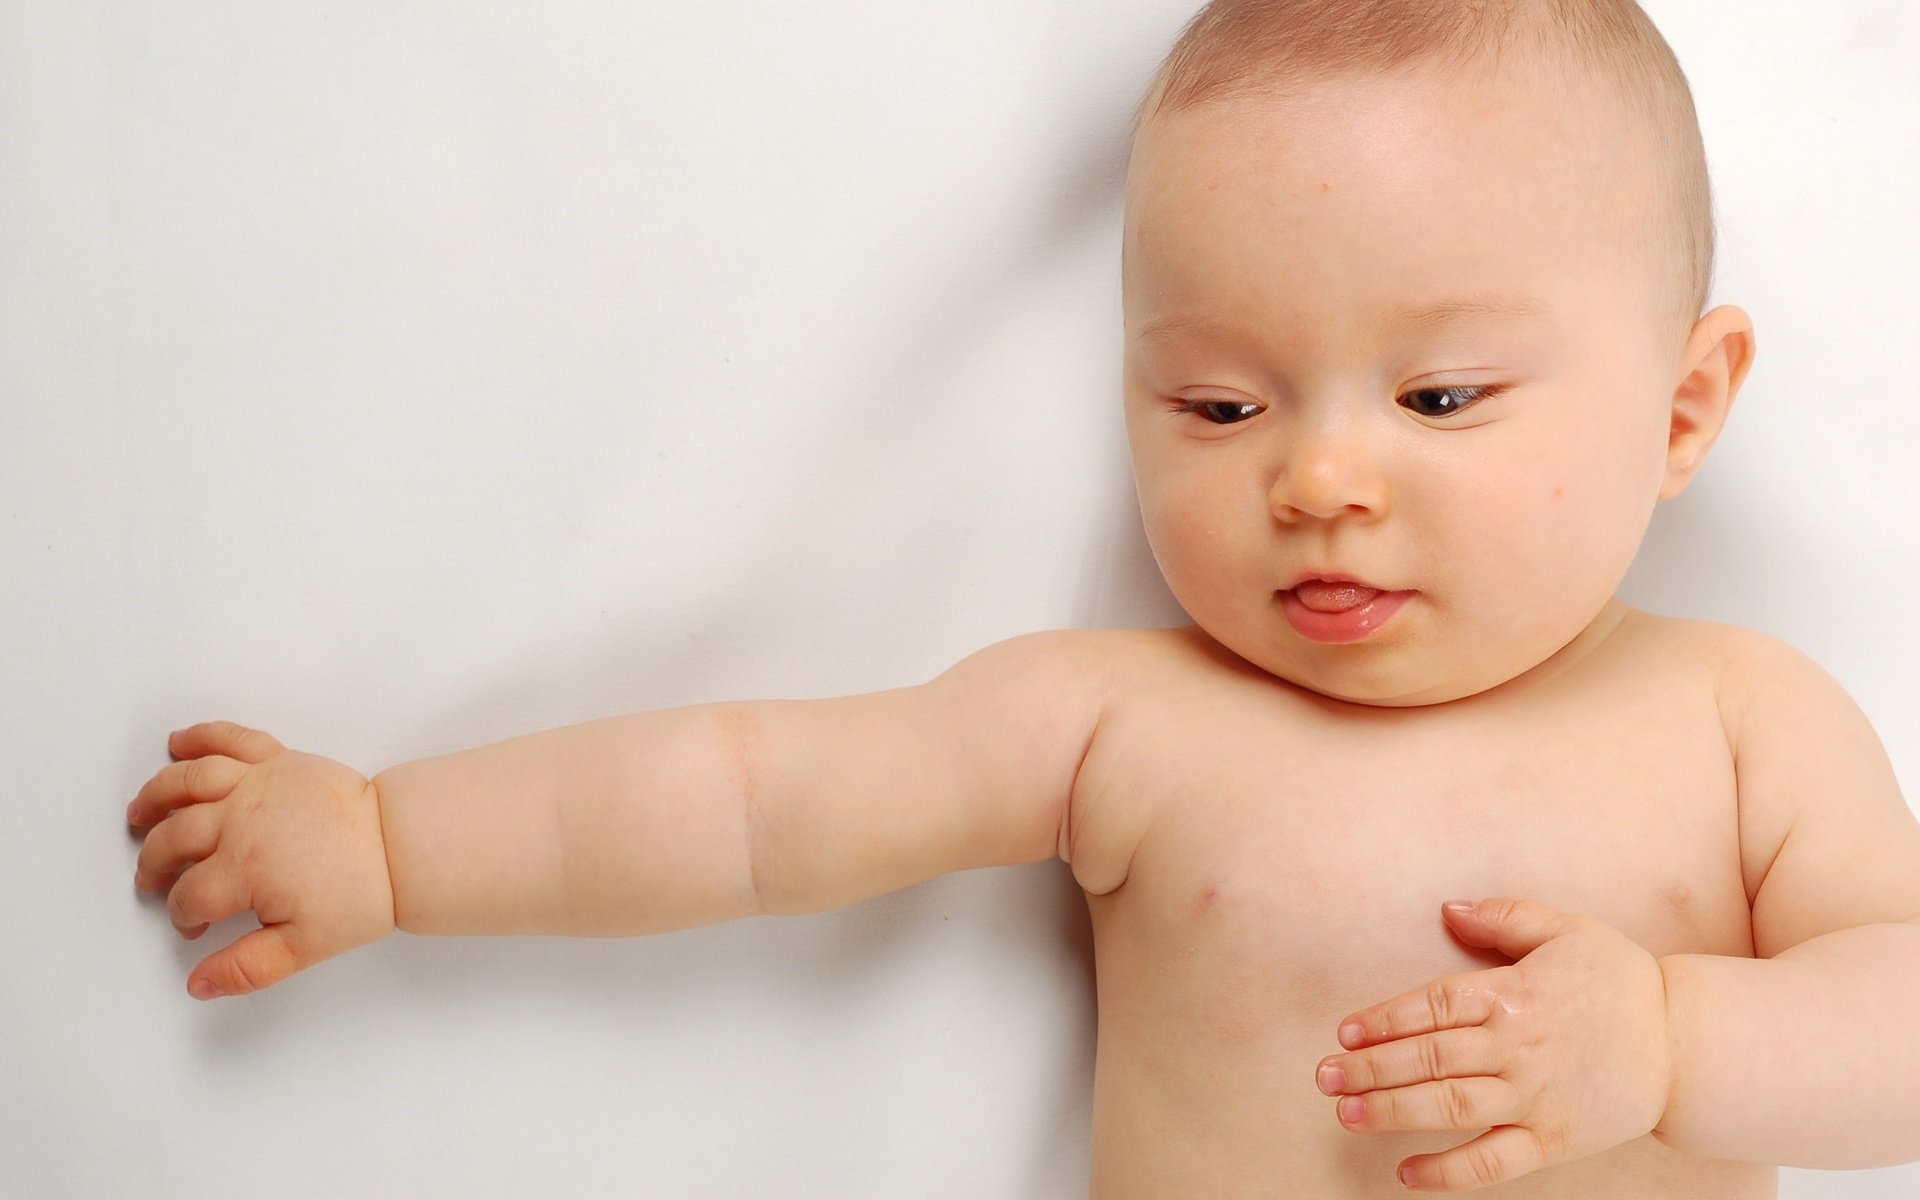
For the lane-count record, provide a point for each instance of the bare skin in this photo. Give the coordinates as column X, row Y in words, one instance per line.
column 1297, row 877
column 1260, row 861
column 1287, row 813
column 1266, row 824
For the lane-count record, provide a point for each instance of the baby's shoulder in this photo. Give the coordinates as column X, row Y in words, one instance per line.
column 1742, row 663
column 1708, row 643
column 1124, row 656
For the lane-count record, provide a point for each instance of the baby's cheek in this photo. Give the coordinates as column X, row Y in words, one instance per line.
column 1191, row 540
column 1586, row 518
column 1178, row 534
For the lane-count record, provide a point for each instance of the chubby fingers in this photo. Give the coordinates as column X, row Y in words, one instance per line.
column 1447, row 1054
column 1445, row 1080
column 187, row 837
column 206, row 892
column 1474, row 1102
column 224, row 737
column 1450, row 1002
column 194, row 781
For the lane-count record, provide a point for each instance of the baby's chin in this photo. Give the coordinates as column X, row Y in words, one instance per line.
column 1334, row 685
column 1415, row 663
column 1389, row 673
column 1421, row 699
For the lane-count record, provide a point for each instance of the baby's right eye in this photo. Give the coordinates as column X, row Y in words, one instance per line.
column 1211, row 410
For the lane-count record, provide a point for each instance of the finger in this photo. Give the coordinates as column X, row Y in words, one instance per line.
column 1449, row 1002
column 1446, row 1054
column 1475, row 1102
column 224, row 737
column 1499, row 1154
column 1516, row 928
column 258, row 960
column 188, row 836
column 196, row 781
column 203, row 894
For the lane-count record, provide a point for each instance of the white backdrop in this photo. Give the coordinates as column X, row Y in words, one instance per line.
column 400, row 378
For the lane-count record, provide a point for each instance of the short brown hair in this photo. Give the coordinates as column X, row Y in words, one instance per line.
column 1275, row 48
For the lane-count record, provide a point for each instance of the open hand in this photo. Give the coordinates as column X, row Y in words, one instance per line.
column 1563, row 1054
column 245, row 823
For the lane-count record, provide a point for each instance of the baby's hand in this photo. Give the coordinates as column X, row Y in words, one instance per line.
column 1560, row 1055
column 248, row 824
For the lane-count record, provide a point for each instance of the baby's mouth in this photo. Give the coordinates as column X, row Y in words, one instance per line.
column 1327, row 596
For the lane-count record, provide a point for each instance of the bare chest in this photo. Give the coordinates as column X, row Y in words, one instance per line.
column 1291, row 868
column 1322, row 860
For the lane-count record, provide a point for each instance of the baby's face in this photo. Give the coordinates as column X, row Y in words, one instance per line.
column 1500, row 467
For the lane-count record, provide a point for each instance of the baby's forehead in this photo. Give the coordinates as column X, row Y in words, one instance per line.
column 1551, row 131
column 1392, row 174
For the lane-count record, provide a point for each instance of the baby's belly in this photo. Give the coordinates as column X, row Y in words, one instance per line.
column 1204, row 1080
column 1209, row 1118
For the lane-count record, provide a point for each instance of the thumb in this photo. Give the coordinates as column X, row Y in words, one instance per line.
column 258, row 960
column 1514, row 927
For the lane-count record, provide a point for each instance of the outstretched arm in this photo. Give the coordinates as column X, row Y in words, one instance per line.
column 687, row 816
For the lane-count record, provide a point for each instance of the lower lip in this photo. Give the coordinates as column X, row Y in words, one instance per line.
column 1350, row 626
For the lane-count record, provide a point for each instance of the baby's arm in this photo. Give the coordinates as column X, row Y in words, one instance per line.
column 1807, row 1054
column 686, row 816
column 637, row 824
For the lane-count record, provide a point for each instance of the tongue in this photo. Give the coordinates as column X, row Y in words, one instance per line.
column 1321, row 596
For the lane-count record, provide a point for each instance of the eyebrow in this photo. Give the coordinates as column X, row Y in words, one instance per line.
column 1428, row 317
column 1446, row 312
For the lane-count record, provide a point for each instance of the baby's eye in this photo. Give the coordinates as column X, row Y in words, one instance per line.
column 1445, row 401
column 1220, row 412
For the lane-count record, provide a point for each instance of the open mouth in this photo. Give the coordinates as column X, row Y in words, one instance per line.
column 1333, row 595
column 1336, row 611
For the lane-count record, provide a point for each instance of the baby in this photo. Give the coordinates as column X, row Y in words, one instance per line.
column 1414, row 346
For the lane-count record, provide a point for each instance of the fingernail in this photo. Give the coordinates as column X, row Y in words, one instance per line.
column 1352, row 1035
column 1332, row 1079
column 1406, row 1176
column 204, row 990
column 1458, row 906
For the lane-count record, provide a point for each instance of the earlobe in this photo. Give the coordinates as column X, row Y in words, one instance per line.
column 1718, row 354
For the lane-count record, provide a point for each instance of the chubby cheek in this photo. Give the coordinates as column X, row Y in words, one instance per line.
column 1551, row 537
column 1602, row 491
column 1193, row 529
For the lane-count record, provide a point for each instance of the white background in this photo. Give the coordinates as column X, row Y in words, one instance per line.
column 400, row 378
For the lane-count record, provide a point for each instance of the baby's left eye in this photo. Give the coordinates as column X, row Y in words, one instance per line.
column 1219, row 412
column 1446, row 401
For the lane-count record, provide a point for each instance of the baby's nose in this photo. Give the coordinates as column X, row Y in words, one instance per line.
column 1326, row 480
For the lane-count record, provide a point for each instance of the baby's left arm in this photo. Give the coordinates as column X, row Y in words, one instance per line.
column 1806, row 1055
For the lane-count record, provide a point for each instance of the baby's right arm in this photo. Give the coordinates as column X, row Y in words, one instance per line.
column 681, row 817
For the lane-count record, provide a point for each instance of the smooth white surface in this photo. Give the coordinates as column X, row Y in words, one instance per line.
column 402, row 378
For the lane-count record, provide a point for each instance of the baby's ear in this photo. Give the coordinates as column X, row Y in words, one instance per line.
column 1718, row 353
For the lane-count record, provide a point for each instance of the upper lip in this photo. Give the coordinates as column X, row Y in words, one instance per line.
column 1332, row 577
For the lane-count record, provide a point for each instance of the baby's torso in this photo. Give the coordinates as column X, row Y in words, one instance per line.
column 1288, row 864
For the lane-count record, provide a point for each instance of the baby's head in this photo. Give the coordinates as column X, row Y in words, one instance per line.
column 1321, row 196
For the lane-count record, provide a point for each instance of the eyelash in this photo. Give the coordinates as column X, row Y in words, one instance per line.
column 1478, row 394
